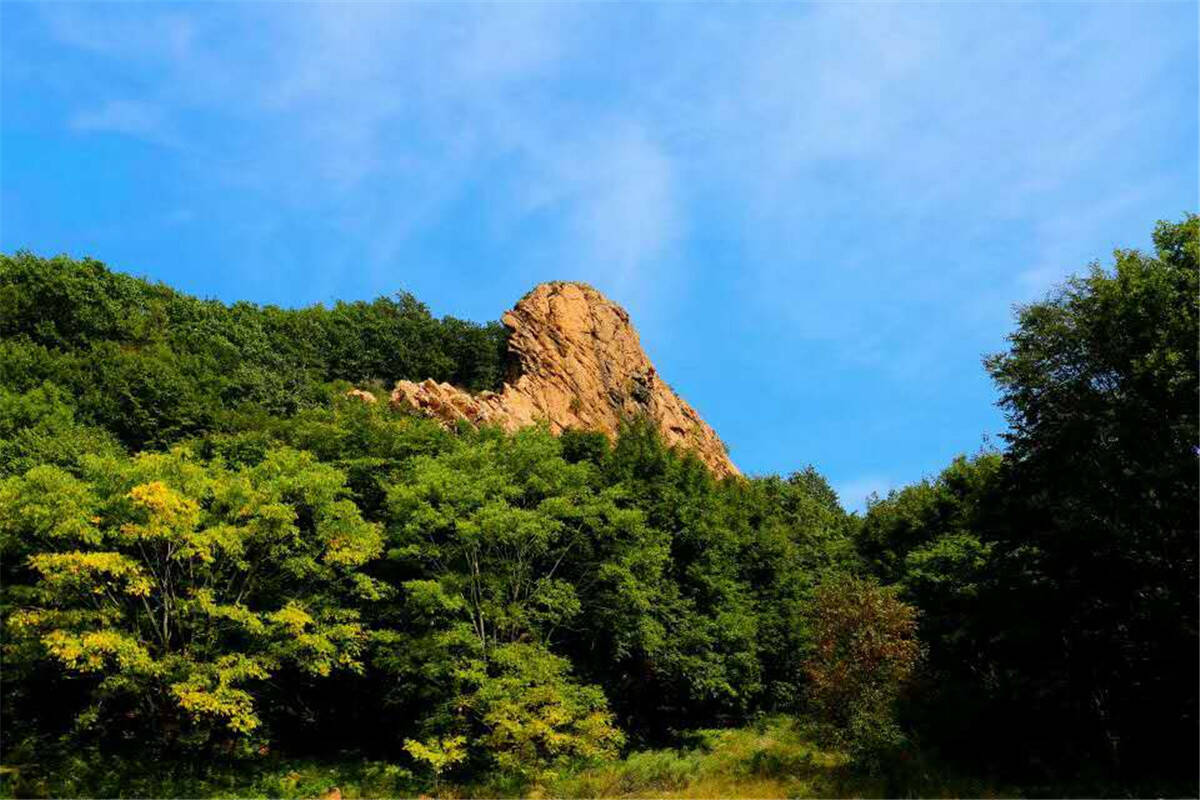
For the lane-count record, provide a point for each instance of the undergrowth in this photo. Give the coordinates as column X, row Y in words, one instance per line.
column 776, row 758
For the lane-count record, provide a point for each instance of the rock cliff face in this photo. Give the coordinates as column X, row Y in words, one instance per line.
column 576, row 363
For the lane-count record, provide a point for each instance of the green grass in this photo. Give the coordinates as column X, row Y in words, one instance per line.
column 78, row 777
column 776, row 758
column 773, row 760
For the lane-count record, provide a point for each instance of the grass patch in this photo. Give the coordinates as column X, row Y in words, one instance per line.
column 292, row 779
column 777, row 758
column 772, row 760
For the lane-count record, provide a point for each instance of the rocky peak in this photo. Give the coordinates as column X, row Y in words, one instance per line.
column 577, row 362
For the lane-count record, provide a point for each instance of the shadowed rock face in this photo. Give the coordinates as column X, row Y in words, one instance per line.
column 577, row 363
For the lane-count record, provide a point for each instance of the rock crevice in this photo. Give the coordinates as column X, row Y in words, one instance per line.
column 577, row 363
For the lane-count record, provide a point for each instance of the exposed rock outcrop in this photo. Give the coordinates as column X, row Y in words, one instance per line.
column 577, row 363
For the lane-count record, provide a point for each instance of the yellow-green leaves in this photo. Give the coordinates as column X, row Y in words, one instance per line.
column 210, row 692
column 319, row 644
column 209, row 544
column 202, row 601
column 349, row 541
column 438, row 754
column 93, row 651
column 162, row 513
column 93, row 573
column 184, row 583
column 47, row 503
column 292, row 618
column 536, row 718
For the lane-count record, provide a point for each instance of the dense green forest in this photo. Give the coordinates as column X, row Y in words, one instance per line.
column 223, row 576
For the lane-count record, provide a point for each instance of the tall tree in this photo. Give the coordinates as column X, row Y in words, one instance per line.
column 1099, row 553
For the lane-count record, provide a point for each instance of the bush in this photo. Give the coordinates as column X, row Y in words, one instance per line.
column 534, row 720
column 863, row 654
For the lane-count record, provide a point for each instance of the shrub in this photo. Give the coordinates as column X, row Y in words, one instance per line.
column 864, row 652
column 534, row 719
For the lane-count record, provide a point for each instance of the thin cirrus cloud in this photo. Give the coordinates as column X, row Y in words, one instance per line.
column 402, row 99
column 926, row 106
column 130, row 117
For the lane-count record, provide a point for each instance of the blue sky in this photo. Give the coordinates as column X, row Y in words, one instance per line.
column 819, row 216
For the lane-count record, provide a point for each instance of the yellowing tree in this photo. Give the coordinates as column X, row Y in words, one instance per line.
column 177, row 588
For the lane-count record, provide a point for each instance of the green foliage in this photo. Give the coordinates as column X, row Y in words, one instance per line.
column 917, row 518
column 719, row 623
column 153, row 366
column 176, row 587
column 775, row 758
column 931, row 541
column 38, row 427
column 1058, row 581
column 93, row 773
column 533, row 719
column 495, row 522
column 438, row 754
column 1102, row 393
column 678, row 610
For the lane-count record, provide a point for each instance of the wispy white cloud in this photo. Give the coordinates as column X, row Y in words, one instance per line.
column 616, row 189
column 168, row 34
column 1062, row 242
column 131, row 117
column 384, row 114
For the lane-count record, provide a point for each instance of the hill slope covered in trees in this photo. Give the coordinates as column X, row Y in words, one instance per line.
column 223, row 576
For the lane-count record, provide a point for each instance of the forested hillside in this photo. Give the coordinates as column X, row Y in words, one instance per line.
column 223, row 575
column 152, row 365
